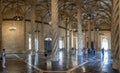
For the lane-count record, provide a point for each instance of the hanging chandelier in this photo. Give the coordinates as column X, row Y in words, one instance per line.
column 18, row 16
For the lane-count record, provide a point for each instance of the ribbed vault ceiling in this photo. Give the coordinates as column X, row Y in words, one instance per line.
column 100, row 9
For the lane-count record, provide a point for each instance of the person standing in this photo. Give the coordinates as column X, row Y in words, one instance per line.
column 102, row 51
column 3, row 58
column 94, row 51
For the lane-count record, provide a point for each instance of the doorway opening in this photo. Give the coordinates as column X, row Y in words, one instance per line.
column 104, row 43
column 61, row 44
column 48, row 45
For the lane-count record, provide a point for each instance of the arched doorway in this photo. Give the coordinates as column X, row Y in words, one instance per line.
column 104, row 43
column 61, row 44
column 48, row 45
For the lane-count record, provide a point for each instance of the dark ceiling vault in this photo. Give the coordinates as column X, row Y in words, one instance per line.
column 100, row 9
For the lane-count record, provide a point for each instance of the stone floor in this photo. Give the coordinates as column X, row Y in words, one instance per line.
column 99, row 64
column 67, row 63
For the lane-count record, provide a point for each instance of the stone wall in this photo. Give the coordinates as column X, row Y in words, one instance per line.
column 13, row 40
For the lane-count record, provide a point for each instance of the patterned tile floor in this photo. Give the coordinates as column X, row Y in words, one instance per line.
column 99, row 64
column 37, row 63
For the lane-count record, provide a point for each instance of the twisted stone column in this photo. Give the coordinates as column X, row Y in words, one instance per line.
column 41, row 38
column 66, row 37
column 85, row 37
column 79, row 33
column 0, row 25
column 25, row 36
column 97, row 39
column 33, row 25
column 94, row 36
column 55, row 29
column 89, row 34
column 70, row 39
column 115, row 35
